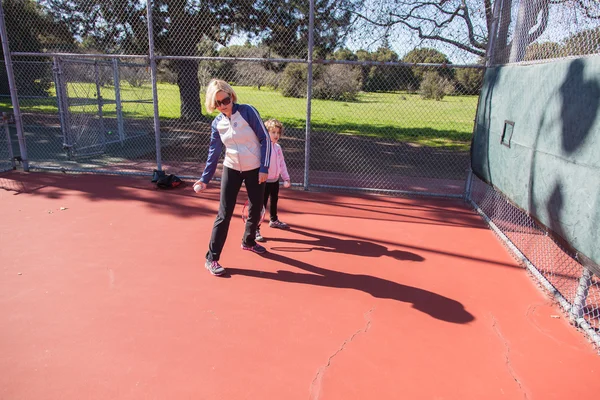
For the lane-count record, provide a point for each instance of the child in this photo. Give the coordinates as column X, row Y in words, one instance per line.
column 276, row 169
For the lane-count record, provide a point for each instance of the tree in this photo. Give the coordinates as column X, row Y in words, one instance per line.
column 382, row 78
column 582, row 43
column 466, row 24
column 469, row 80
column 578, row 44
column 542, row 51
column 179, row 27
column 31, row 30
column 248, row 73
column 428, row 56
column 435, row 86
column 283, row 25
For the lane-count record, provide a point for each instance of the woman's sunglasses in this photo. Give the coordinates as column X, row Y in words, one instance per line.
column 224, row 102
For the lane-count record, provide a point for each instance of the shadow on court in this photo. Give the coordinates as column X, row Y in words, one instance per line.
column 433, row 304
column 346, row 246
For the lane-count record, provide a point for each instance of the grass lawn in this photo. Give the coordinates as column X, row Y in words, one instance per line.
column 398, row 116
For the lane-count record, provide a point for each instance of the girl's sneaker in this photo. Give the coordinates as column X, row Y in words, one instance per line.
column 259, row 237
column 214, row 268
column 278, row 224
column 257, row 248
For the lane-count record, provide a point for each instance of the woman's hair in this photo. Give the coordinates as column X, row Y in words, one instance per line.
column 273, row 123
column 215, row 86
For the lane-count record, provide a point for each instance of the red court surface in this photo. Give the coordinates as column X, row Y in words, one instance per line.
column 103, row 295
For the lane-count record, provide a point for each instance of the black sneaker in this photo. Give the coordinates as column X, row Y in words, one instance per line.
column 257, row 248
column 259, row 237
column 214, row 268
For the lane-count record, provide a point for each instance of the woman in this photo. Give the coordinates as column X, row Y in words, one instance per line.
column 247, row 158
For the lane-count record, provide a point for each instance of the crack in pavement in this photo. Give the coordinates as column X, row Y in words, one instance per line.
column 511, row 371
column 315, row 386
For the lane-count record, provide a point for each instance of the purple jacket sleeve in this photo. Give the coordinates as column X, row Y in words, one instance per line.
column 214, row 151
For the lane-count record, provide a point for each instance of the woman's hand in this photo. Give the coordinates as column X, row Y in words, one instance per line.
column 287, row 184
column 199, row 186
column 262, row 177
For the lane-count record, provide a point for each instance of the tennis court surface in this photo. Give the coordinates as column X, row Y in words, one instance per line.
column 104, row 295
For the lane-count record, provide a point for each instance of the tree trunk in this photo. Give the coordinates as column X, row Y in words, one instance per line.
column 189, row 90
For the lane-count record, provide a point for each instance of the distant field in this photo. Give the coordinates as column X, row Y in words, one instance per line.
column 394, row 116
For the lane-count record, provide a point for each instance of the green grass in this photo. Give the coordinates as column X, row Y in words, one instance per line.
column 398, row 116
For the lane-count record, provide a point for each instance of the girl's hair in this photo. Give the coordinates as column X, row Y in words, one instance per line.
column 215, row 86
column 273, row 123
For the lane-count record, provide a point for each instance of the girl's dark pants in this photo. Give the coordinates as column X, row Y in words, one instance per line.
column 231, row 182
column 272, row 190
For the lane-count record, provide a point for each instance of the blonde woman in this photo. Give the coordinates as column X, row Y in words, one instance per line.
column 238, row 128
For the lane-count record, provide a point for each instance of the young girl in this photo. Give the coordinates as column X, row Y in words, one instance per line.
column 276, row 169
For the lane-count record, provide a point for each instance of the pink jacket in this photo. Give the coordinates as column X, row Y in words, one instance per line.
column 277, row 166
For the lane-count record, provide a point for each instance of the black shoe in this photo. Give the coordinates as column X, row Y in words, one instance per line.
column 257, row 248
column 157, row 175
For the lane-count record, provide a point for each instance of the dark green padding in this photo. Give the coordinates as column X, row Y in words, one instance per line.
column 552, row 167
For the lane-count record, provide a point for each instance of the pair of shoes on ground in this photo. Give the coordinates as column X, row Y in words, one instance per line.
column 217, row 269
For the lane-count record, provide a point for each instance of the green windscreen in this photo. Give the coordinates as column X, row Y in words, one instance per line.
column 537, row 140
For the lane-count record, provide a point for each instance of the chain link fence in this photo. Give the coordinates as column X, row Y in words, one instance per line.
column 375, row 96
column 542, row 30
column 7, row 158
column 557, row 268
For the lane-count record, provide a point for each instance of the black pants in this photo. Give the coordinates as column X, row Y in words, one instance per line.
column 231, row 182
column 272, row 191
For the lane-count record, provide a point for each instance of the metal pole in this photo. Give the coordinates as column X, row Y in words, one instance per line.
column 311, row 23
column 117, row 79
column 63, row 107
column 100, row 102
column 13, row 91
column 56, row 69
column 8, row 141
column 493, row 33
column 520, row 34
column 154, row 90
column 468, row 185
column 581, row 294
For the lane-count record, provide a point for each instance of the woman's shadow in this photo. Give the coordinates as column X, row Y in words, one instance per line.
column 333, row 244
column 433, row 304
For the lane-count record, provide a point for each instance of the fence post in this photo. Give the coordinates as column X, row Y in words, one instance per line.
column 154, row 89
column 581, row 295
column 100, row 102
column 311, row 23
column 492, row 35
column 13, row 91
column 62, row 105
column 8, row 141
column 119, row 106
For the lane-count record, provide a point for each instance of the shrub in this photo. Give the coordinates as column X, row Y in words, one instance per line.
column 333, row 82
column 435, row 87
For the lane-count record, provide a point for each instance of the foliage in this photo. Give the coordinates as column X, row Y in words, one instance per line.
column 331, row 82
column 381, row 77
column 435, row 86
column 428, row 56
column 337, row 82
column 469, row 80
column 578, row 44
column 31, row 30
column 282, row 25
